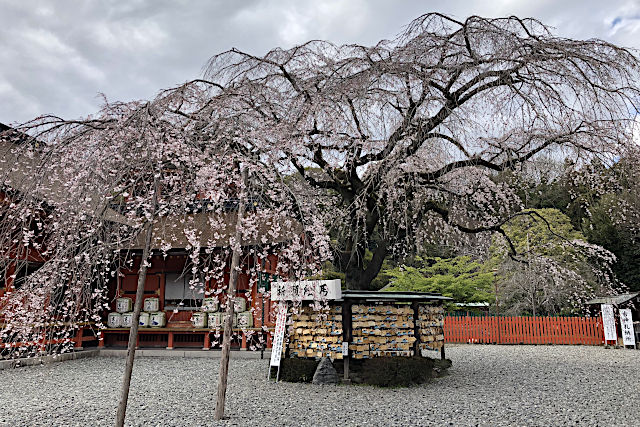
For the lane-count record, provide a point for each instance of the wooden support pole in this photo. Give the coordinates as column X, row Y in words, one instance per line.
column 347, row 336
column 416, row 329
column 442, row 356
column 78, row 339
column 9, row 277
column 42, row 342
column 133, row 333
column 170, row 340
column 262, row 338
column 231, row 291
column 243, row 346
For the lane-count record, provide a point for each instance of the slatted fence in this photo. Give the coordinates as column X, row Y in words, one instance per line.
column 524, row 330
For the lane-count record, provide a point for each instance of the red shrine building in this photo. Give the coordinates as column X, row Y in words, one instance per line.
column 167, row 289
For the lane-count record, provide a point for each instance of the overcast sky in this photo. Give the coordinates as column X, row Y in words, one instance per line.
column 57, row 57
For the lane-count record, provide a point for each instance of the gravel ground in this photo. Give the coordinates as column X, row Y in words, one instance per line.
column 487, row 385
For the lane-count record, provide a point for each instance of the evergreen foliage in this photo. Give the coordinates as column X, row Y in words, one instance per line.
column 460, row 278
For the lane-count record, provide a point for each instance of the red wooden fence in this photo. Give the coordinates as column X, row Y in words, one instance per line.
column 524, row 330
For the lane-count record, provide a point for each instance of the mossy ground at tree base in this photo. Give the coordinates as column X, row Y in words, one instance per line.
column 379, row 371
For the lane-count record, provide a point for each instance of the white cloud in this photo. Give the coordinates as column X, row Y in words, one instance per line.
column 295, row 22
column 50, row 52
column 57, row 56
column 19, row 100
column 131, row 36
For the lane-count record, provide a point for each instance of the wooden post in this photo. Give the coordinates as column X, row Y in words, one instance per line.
column 133, row 333
column 207, row 341
column 243, row 345
column 231, row 291
column 416, row 329
column 347, row 336
column 9, row 280
column 78, row 339
column 42, row 342
column 170, row 340
column 442, row 356
column 262, row 337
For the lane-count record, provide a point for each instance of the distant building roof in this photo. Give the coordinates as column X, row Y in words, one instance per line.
column 615, row 299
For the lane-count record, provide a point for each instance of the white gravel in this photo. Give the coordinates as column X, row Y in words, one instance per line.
column 487, row 385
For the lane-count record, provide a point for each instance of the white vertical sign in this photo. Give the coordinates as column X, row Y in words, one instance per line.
column 626, row 324
column 278, row 335
column 609, row 322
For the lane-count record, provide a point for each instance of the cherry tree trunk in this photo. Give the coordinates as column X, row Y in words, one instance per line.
column 357, row 275
column 228, row 317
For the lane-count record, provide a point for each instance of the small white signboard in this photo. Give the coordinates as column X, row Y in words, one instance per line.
column 278, row 335
column 626, row 324
column 609, row 322
column 345, row 348
column 306, row 290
